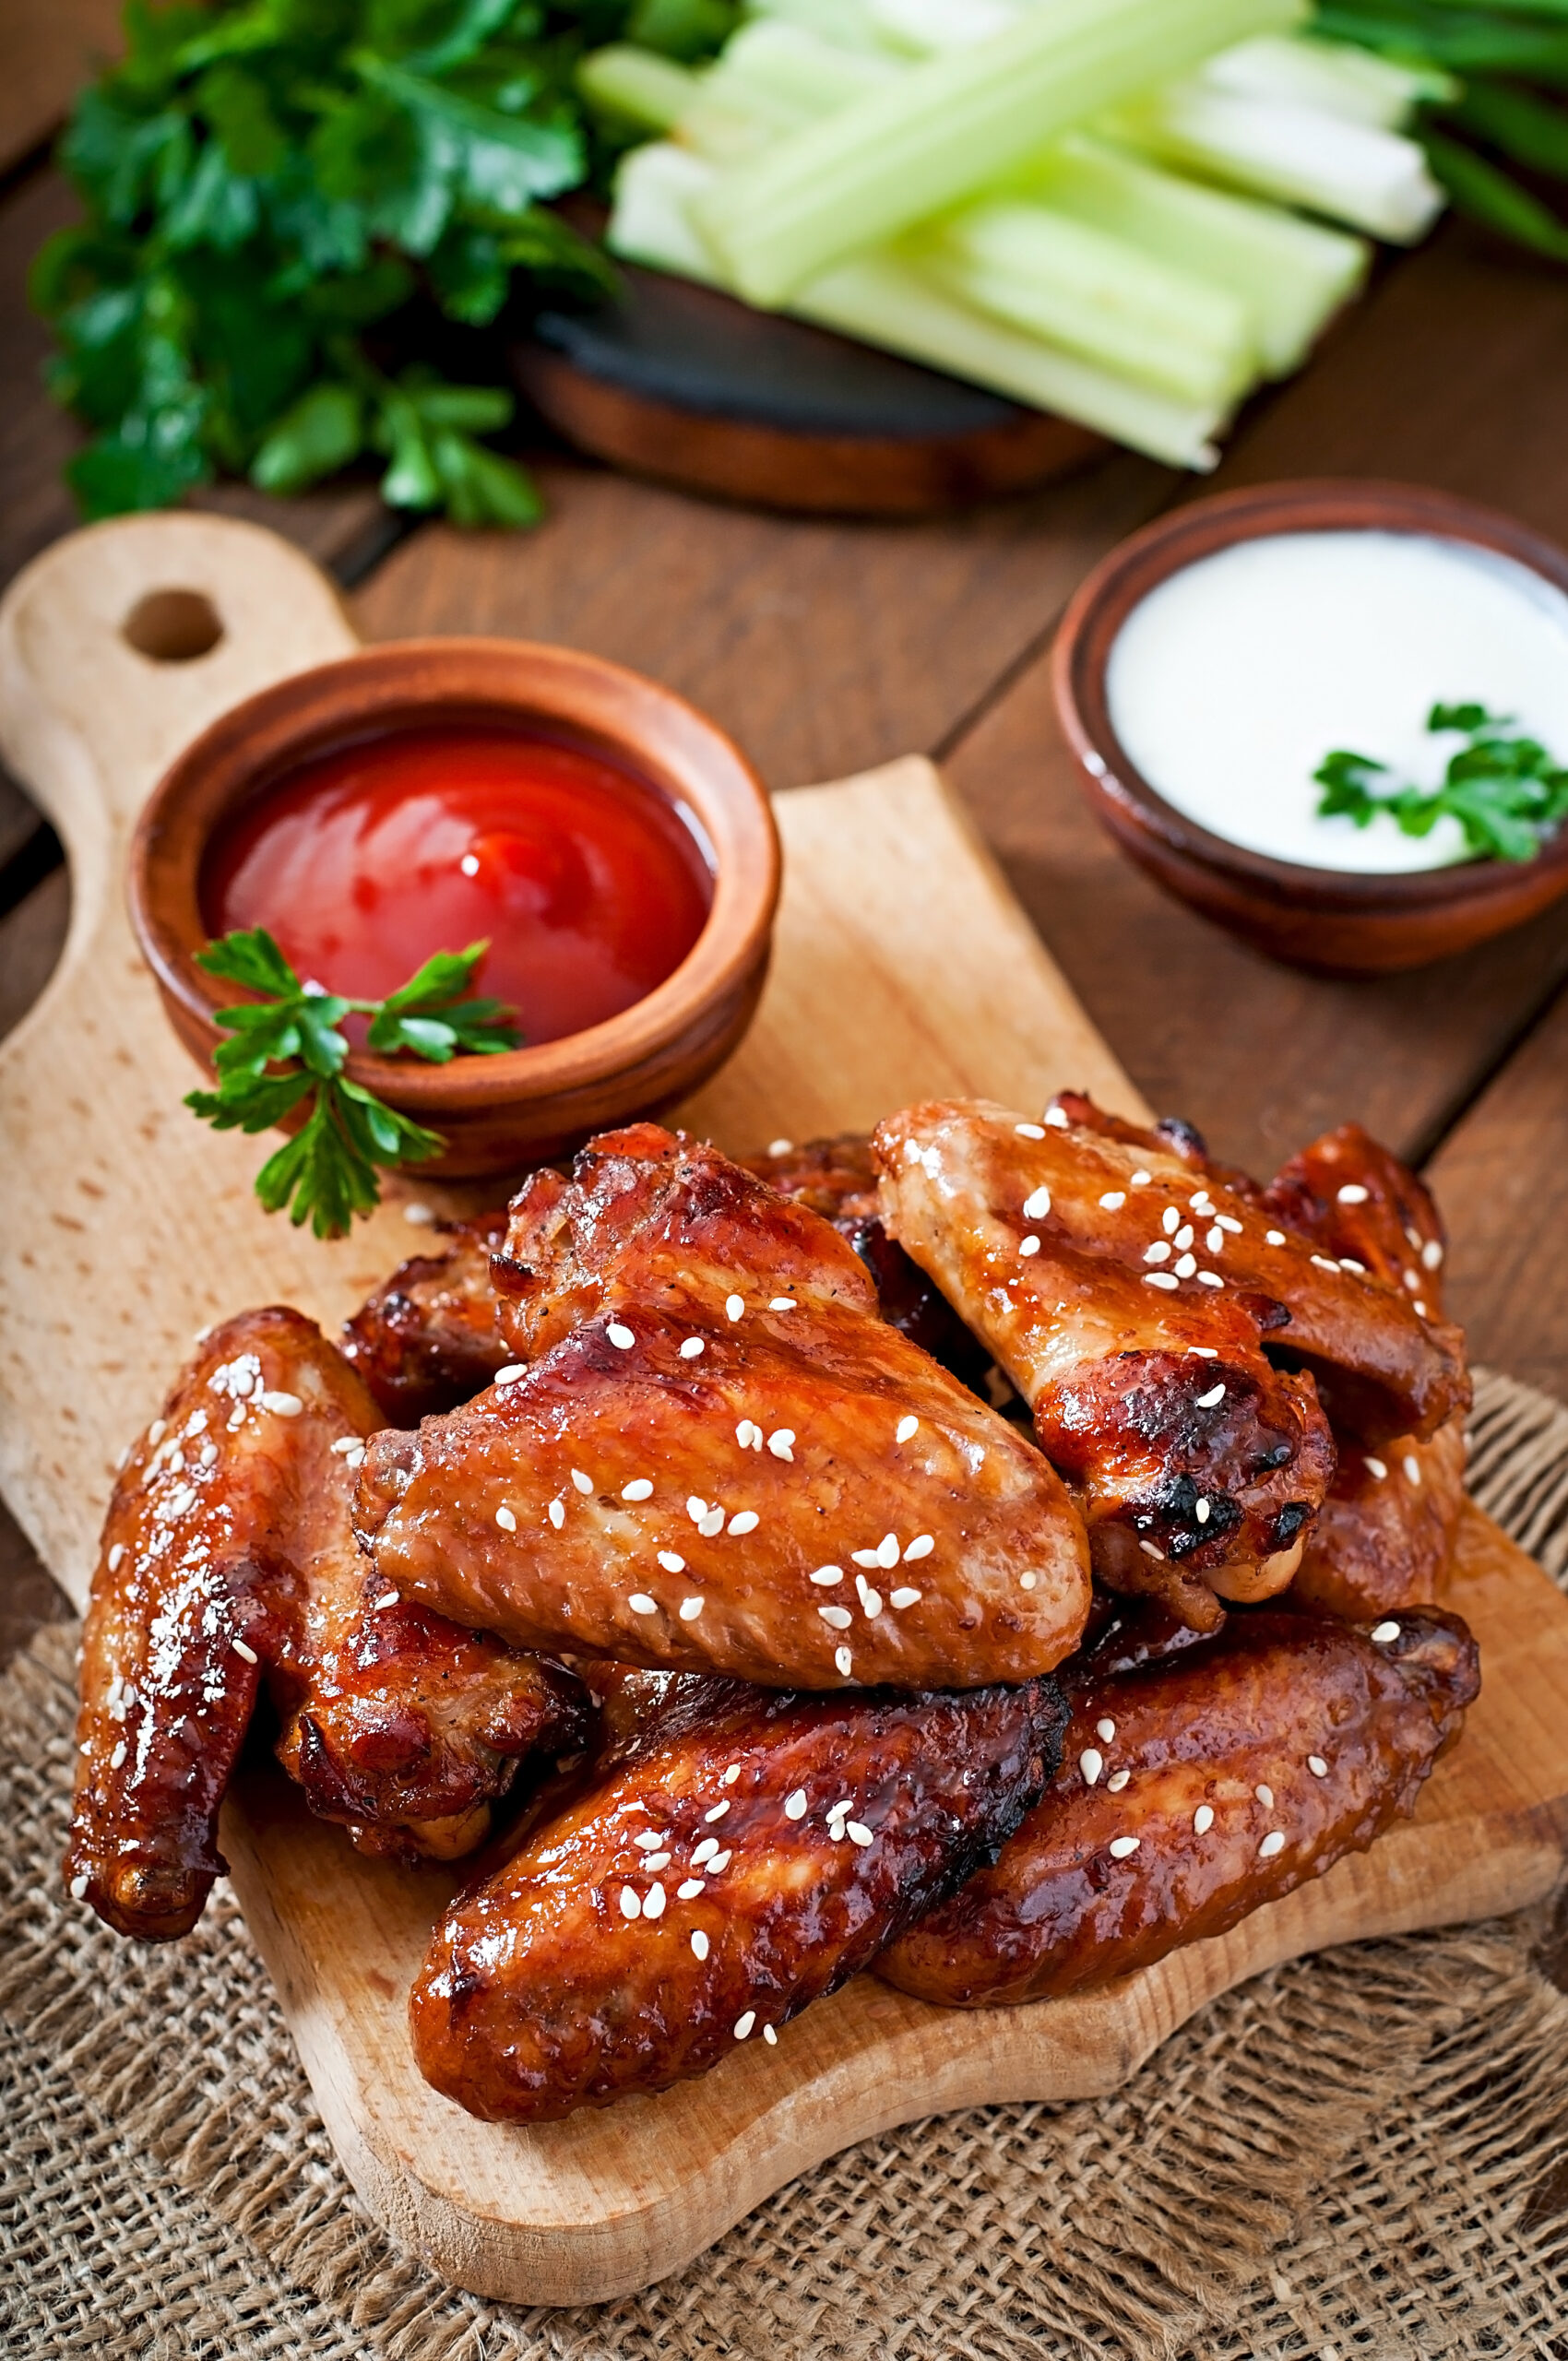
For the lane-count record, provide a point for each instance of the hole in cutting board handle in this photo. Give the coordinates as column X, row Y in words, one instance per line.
column 172, row 626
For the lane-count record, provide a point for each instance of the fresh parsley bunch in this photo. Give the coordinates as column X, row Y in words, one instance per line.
column 277, row 193
column 284, row 1047
column 1504, row 790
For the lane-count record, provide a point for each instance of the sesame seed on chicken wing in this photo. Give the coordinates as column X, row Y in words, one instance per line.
column 742, row 1853
column 1192, row 1791
column 717, row 1457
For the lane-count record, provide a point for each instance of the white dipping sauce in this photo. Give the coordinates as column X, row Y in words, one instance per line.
column 1229, row 682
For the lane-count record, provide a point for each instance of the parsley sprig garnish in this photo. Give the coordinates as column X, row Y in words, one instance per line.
column 1504, row 790
column 285, row 1047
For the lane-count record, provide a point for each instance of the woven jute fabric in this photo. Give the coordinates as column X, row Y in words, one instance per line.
column 1364, row 2153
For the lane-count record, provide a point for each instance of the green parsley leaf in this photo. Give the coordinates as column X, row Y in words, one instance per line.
column 1503, row 789
column 284, row 1048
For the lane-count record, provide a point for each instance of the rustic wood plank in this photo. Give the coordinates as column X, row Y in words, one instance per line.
column 1503, row 1179
column 52, row 48
column 823, row 646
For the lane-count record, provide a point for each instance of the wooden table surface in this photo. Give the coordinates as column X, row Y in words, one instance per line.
column 823, row 646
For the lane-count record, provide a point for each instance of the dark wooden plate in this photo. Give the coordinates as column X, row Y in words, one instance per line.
column 684, row 384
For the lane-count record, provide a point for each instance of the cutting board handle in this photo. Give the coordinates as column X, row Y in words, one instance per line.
column 122, row 642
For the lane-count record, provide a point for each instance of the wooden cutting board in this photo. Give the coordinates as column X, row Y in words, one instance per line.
column 903, row 968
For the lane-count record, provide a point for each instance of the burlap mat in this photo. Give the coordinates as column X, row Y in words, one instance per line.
column 1360, row 2154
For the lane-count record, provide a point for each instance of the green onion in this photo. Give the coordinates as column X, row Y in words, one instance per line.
column 1349, row 82
column 941, row 130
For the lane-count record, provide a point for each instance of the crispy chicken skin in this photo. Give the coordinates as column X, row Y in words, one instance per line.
column 1132, row 1308
column 1198, row 1465
column 1161, row 1824
column 837, row 1178
column 1385, row 1533
column 741, row 1855
column 719, row 1458
column 430, row 1336
column 229, row 1566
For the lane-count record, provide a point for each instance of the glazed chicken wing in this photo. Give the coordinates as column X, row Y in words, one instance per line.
column 1131, row 1308
column 837, row 1178
column 718, row 1458
column 742, row 1855
column 430, row 1336
column 1385, row 1532
column 1192, row 1792
column 229, row 1566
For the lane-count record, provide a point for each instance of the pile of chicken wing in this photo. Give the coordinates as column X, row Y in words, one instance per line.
column 995, row 1552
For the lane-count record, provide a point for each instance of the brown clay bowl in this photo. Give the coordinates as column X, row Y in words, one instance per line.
column 1319, row 918
column 522, row 1106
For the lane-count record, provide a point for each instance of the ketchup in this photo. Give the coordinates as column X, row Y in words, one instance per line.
column 587, row 882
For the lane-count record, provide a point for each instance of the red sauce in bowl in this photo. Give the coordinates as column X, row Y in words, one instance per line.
column 588, row 883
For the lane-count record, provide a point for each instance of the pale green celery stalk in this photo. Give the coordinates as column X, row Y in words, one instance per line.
column 887, row 300
column 933, row 134
column 1314, row 73
column 884, row 300
column 923, row 28
column 843, row 22
column 636, row 86
column 772, row 79
column 1374, row 180
column 1097, row 296
column 1295, row 275
column 650, row 223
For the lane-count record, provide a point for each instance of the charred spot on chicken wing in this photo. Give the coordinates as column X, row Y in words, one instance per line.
column 739, row 1855
column 717, row 1457
column 229, row 1570
column 1193, row 1791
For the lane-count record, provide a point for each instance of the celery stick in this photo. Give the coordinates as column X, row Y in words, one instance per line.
column 842, row 22
column 772, row 79
column 650, row 223
column 1295, row 275
column 1374, row 180
column 934, row 134
column 635, row 86
column 1310, row 73
column 924, row 26
column 885, row 299
column 1100, row 297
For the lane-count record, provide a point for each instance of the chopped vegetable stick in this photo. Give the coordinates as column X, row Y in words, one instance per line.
column 1341, row 80
column 650, row 223
column 636, row 86
column 932, row 135
column 1097, row 295
column 843, row 22
column 1374, row 180
column 1294, row 274
column 924, row 26
column 885, row 299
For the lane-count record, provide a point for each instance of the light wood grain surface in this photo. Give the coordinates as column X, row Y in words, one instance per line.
column 903, row 966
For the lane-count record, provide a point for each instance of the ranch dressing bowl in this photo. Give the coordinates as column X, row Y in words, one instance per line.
column 1212, row 661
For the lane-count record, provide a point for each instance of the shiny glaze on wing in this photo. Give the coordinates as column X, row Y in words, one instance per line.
column 837, row 1178
column 720, row 1458
column 739, row 1855
column 1385, row 1532
column 1197, row 1463
column 1235, row 1728
column 430, row 1335
column 229, row 1566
